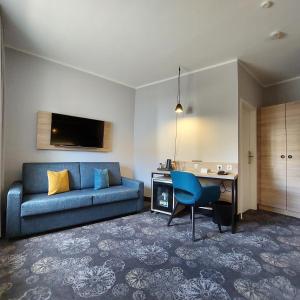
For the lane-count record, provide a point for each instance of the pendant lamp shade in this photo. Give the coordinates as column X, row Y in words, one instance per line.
column 179, row 108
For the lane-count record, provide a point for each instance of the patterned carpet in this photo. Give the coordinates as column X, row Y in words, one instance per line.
column 138, row 257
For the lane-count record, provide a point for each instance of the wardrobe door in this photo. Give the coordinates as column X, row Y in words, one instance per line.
column 273, row 156
column 293, row 156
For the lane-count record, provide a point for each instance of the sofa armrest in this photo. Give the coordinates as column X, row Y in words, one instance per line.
column 136, row 184
column 13, row 210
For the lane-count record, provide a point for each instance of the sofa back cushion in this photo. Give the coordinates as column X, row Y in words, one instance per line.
column 87, row 173
column 35, row 179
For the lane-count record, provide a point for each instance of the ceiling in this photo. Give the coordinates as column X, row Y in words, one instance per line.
column 137, row 42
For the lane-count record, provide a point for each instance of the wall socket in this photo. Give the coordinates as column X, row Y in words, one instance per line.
column 229, row 167
column 219, row 167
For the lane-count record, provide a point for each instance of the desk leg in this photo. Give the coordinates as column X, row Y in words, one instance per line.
column 234, row 205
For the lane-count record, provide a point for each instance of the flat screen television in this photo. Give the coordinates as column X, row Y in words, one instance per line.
column 69, row 131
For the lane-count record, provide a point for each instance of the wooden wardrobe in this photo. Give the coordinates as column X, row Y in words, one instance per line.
column 279, row 158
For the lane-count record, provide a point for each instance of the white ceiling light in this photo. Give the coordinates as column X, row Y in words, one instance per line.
column 266, row 4
column 277, row 35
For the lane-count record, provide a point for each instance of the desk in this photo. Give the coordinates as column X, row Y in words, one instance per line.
column 164, row 176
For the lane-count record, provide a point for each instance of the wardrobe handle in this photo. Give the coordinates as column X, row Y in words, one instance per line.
column 282, row 156
column 290, row 156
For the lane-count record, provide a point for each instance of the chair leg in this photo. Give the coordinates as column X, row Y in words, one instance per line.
column 193, row 222
column 172, row 214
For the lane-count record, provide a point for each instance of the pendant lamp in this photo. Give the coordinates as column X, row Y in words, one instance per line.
column 179, row 108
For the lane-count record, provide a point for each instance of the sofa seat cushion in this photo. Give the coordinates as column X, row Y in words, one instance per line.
column 36, row 204
column 114, row 194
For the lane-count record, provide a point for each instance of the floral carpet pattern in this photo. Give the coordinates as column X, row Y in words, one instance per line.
column 138, row 257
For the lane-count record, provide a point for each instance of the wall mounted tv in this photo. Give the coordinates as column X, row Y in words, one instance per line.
column 69, row 131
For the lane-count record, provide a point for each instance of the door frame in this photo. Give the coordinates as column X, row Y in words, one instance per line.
column 253, row 138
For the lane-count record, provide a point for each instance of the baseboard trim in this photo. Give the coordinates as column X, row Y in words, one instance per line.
column 279, row 211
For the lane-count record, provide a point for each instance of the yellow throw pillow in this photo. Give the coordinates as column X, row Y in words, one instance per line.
column 58, row 182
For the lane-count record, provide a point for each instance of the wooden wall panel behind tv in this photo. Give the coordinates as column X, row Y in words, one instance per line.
column 44, row 134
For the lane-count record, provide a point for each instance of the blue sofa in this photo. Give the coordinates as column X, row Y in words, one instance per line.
column 30, row 210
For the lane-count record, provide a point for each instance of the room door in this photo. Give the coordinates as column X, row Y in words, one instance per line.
column 247, row 158
column 293, row 156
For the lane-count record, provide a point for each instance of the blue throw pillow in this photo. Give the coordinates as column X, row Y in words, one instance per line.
column 101, row 179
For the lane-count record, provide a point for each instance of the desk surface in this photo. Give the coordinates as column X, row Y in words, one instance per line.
column 230, row 176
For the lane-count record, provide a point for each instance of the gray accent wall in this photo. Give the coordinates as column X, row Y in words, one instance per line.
column 1, row 124
column 282, row 93
column 34, row 84
column 207, row 130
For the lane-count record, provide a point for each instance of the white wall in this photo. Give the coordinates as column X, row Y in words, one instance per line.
column 249, row 89
column 33, row 84
column 207, row 130
column 282, row 93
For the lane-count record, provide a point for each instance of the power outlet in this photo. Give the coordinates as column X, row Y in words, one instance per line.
column 229, row 167
column 219, row 168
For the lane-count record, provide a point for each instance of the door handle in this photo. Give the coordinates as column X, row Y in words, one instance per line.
column 282, row 156
column 290, row 156
column 249, row 157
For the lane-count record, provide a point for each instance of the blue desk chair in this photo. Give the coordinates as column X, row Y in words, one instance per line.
column 189, row 191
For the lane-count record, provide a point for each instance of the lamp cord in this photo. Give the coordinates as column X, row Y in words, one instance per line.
column 178, row 101
column 178, row 88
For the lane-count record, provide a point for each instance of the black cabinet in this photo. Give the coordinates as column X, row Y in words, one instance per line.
column 162, row 196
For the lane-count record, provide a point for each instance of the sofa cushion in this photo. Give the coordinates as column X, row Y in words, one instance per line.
column 58, row 182
column 101, row 179
column 35, row 179
column 114, row 194
column 87, row 173
column 36, row 204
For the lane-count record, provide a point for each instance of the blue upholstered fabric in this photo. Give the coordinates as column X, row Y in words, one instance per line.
column 101, row 179
column 184, row 197
column 35, row 211
column 13, row 211
column 211, row 194
column 187, row 187
column 35, row 179
column 114, row 194
column 87, row 173
column 135, row 184
column 36, row 204
column 46, row 222
column 189, row 191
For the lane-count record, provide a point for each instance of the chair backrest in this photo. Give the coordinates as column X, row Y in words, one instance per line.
column 186, row 182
